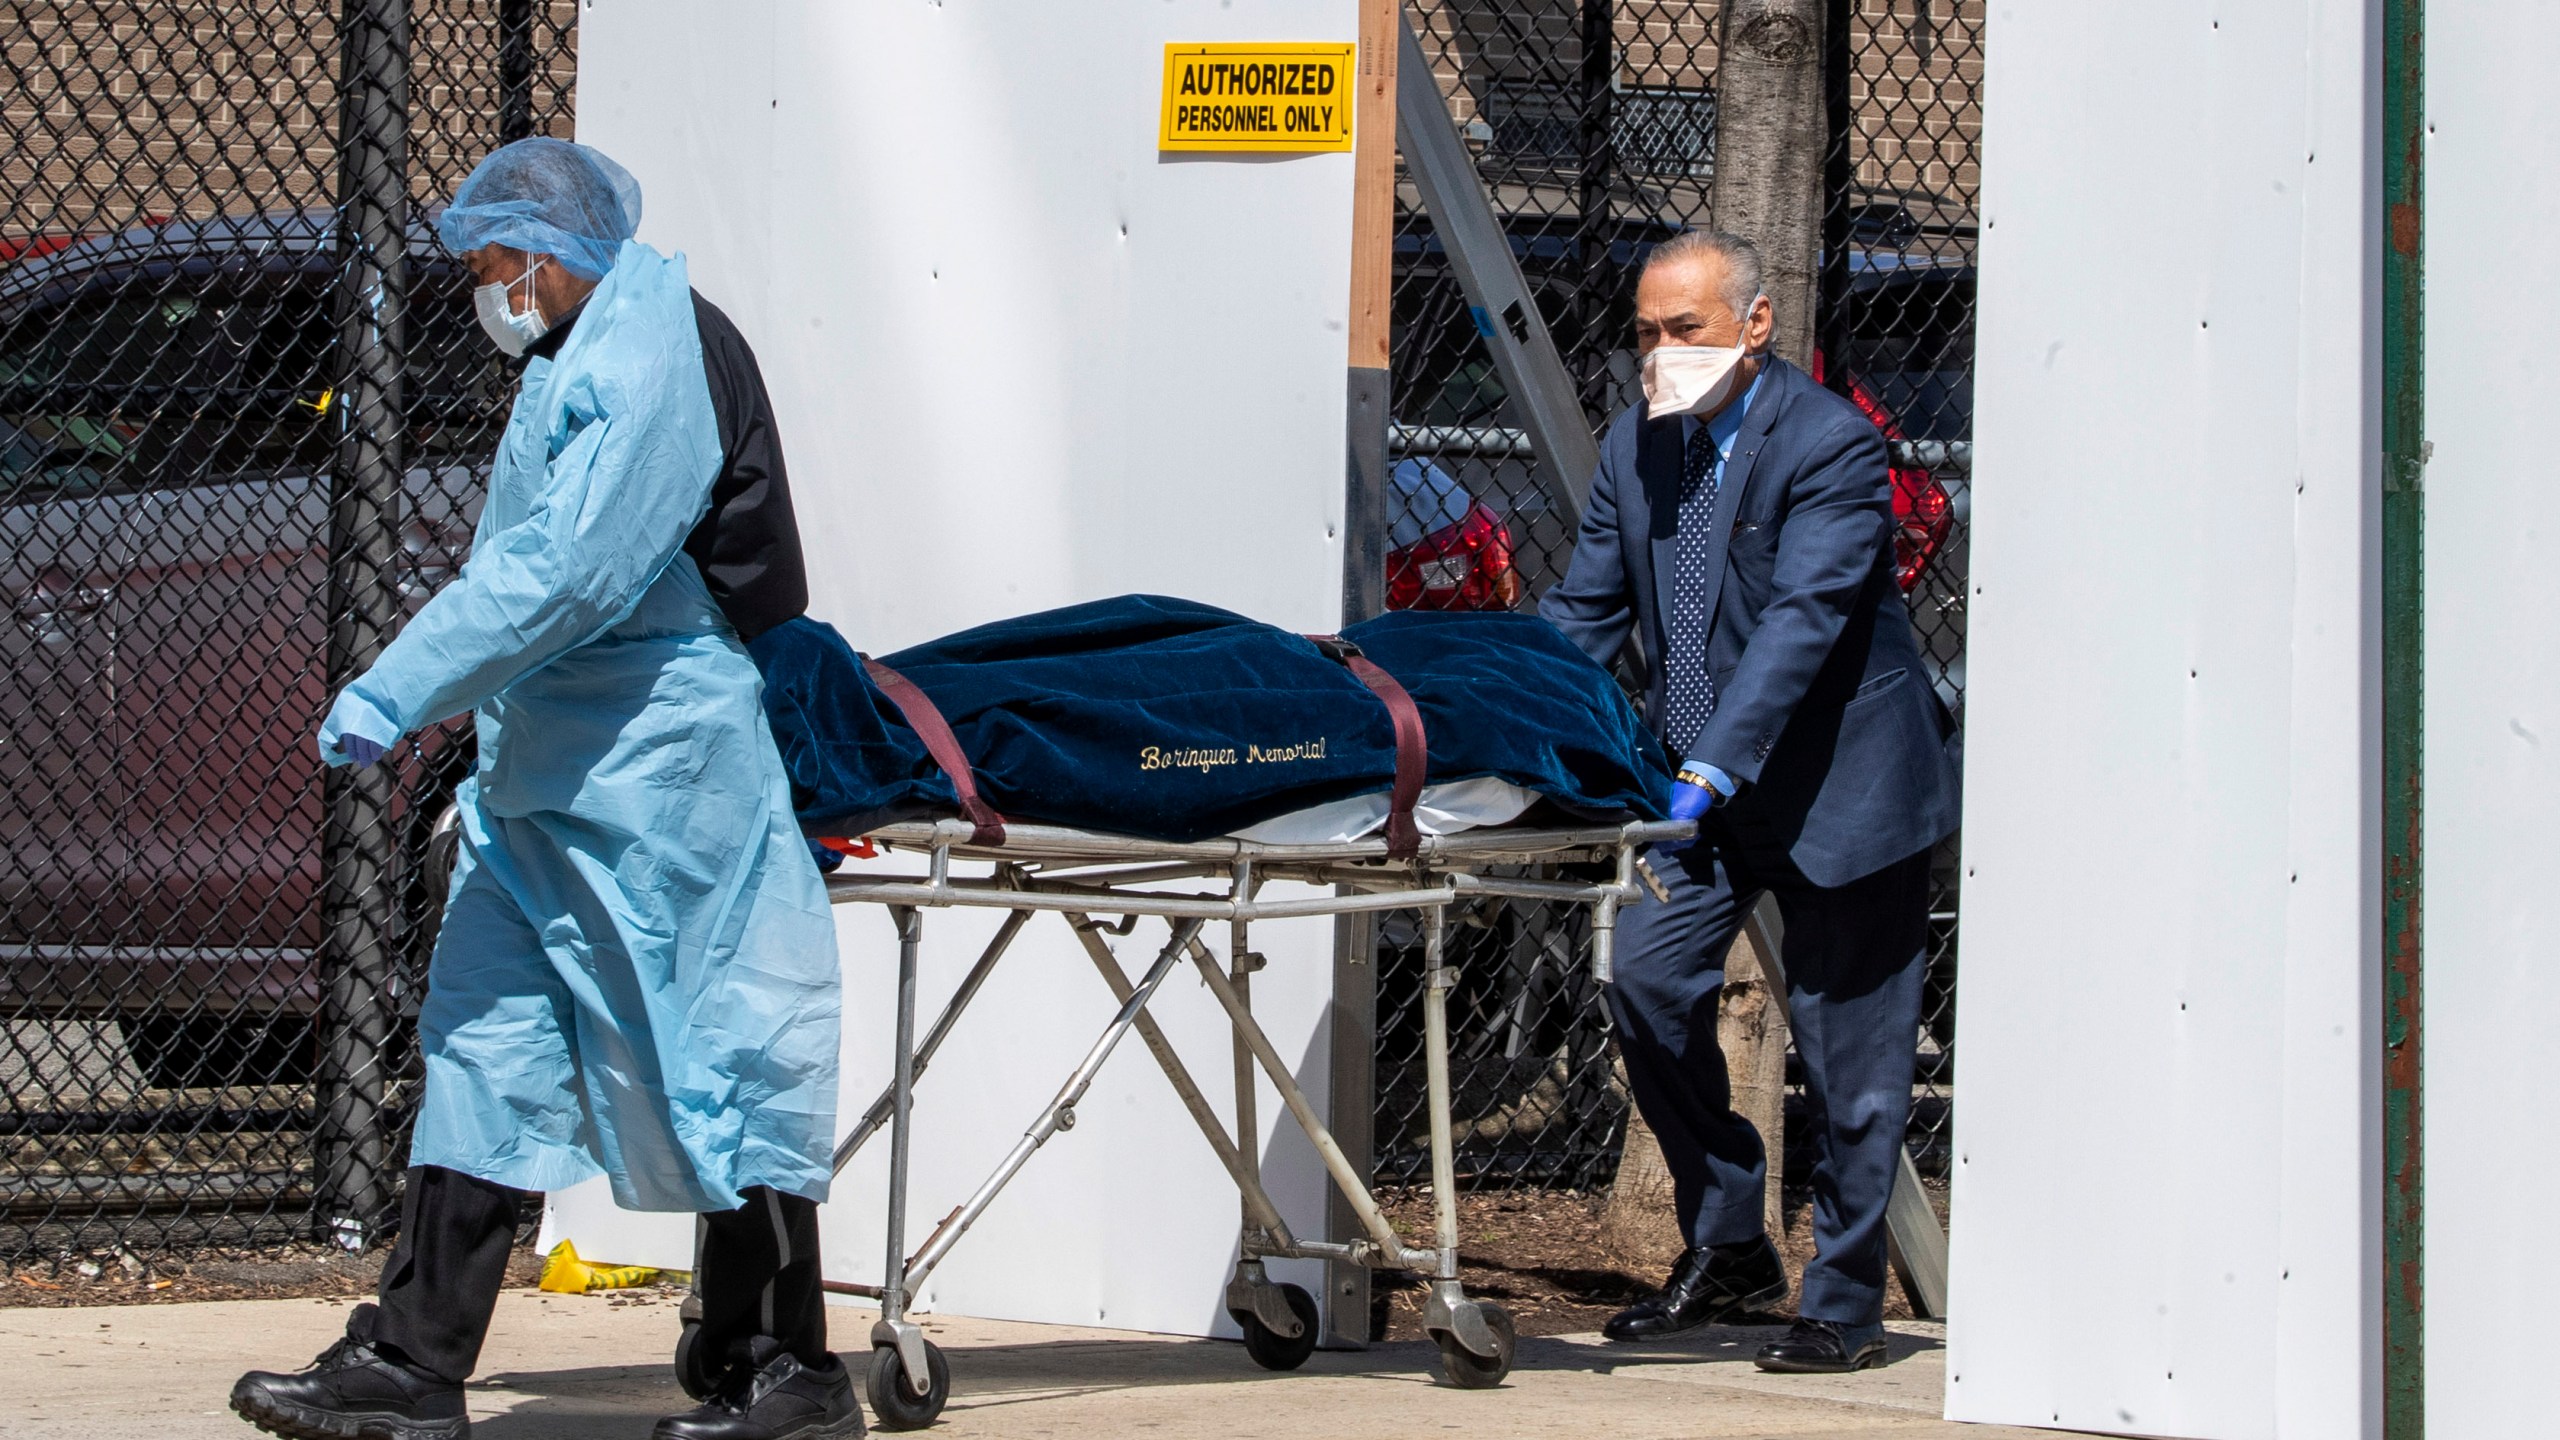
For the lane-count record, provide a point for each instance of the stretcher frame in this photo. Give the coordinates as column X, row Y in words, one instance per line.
column 1079, row 875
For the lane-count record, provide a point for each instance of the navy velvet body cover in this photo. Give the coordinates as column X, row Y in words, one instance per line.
column 1171, row 720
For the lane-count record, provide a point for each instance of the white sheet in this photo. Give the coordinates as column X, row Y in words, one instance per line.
column 1440, row 810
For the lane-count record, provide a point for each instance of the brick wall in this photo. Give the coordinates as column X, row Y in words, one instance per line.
column 114, row 112
column 1915, row 92
column 1915, row 71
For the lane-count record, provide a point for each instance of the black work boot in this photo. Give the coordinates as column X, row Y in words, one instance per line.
column 1708, row 1287
column 777, row 1399
column 353, row 1392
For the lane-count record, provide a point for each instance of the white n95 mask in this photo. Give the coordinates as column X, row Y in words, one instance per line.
column 1689, row 379
column 512, row 333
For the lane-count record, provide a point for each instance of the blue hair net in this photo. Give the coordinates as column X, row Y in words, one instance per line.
column 547, row 196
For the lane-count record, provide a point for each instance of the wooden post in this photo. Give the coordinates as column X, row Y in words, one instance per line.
column 1373, row 235
column 1373, row 199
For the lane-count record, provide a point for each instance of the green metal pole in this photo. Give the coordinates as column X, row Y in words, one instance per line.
column 2403, row 734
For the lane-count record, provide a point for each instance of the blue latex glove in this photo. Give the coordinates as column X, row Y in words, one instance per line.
column 359, row 751
column 1691, row 800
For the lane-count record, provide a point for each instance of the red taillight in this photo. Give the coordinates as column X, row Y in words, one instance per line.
column 32, row 247
column 1922, row 513
column 36, row 246
column 1466, row 566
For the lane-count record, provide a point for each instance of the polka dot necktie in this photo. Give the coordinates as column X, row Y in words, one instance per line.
column 1689, row 692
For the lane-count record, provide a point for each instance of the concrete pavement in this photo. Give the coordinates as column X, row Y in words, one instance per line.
column 576, row 1367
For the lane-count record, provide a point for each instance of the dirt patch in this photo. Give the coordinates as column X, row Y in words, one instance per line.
column 1539, row 1254
column 290, row 1273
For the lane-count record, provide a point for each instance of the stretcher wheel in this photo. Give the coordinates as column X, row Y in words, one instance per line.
column 697, row 1370
column 1272, row 1350
column 894, row 1406
column 1465, row 1368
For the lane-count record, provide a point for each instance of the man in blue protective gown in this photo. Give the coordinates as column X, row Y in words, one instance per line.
column 636, row 975
column 1741, row 522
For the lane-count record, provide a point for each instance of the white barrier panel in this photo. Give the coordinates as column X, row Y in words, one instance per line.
column 1019, row 359
column 2492, row 714
column 2167, row 1184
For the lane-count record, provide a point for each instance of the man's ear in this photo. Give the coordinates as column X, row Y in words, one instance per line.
column 1763, row 324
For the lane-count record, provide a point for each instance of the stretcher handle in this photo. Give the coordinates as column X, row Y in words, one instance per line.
column 926, row 720
column 1413, row 747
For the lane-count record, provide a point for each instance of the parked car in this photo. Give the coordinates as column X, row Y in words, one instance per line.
column 167, row 436
column 1447, row 550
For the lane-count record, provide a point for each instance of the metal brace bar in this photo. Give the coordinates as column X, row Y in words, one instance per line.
column 1040, row 895
column 1059, row 1114
column 1257, row 1200
column 1354, row 1188
column 882, row 1108
column 1548, row 402
column 1240, row 960
column 1437, row 979
column 894, row 1287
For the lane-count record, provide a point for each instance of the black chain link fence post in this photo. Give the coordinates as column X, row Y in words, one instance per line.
column 1589, row 311
column 515, row 70
column 1831, row 315
column 357, row 1178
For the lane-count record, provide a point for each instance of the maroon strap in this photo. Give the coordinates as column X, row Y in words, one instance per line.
column 1413, row 748
column 943, row 746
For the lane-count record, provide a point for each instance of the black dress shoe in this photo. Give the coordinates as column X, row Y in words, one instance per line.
column 353, row 1392
column 1823, row 1347
column 1708, row 1287
column 781, row 1399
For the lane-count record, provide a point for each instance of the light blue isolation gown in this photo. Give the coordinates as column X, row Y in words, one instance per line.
column 637, row 972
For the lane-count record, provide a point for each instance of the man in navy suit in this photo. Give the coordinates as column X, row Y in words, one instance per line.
column 1741, row 525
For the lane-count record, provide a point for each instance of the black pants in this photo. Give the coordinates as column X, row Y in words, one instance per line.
column 757, row 1273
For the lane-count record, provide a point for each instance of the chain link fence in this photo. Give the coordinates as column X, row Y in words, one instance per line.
column 246, row 419
column 1594, row 125
column 245, row 423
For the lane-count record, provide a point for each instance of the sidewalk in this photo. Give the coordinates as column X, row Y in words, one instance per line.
column 573, row 1367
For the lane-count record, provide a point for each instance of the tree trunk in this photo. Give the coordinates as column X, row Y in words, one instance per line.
column 1771, row 134
column 1752, row 1028
column 1639, row 1227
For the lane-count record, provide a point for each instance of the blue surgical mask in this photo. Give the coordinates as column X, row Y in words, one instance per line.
column 495, row 303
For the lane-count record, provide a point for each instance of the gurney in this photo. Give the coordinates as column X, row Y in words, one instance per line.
column 1103, row 886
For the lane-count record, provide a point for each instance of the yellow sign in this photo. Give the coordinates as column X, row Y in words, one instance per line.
column 1262, row 99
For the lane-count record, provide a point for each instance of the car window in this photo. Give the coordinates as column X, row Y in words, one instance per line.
column 129, row 387
column 459, row 385
column 1910, row 343
column 135, row 386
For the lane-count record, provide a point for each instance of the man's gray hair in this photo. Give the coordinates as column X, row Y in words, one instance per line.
column 1741, row 263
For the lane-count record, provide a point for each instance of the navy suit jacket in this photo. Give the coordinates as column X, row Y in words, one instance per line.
column 1823, row 709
